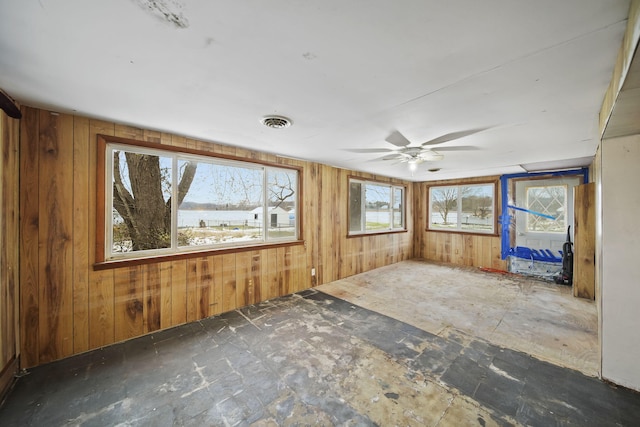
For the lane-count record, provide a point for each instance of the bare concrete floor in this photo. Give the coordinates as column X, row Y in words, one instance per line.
column 528, row 315
column 314, row 359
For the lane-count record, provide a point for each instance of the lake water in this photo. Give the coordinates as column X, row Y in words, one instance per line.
column 192, row 218
column 467, row 218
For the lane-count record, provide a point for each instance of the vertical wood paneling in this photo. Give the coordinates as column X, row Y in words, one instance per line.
column 228, row 282
column 76, row 308
column 56, row 235
column 287, row 272
column 101, row 288
column 124, row 131
column 496, row 262
column 281, row 290
column 80, row 234
column 312, row 187
column 129, row 306
column 584, row 241
column 29, row 231
column 487, row 256
column 270, row 276
column 243, row 273
column 178, row 292
column 337, row 200
column 192, row 290
column 297, row 261
column 6, row 307
column 152, row 136
column 469, row 250
column 152, row 297
column 216, row 302
column 204, row 284
column 256, row 277
column 166, row 315
column 9, row 252
column 101, row 309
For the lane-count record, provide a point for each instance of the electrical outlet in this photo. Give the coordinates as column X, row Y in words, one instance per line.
column 313, row 272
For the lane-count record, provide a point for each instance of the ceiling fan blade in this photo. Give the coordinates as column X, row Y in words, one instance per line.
column 394, row 156
column 459, row 148
column 368, row 150
column 451, row 136
column 431, row 156
column 397, row 139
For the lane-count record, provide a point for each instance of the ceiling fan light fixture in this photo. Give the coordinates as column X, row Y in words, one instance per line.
column 276, row 122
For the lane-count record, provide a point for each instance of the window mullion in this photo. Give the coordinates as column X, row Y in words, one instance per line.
column 127, row 233
column 174, row 202
column 363, row 207
column 108, row 206
column 390, row 209
column 265, row 208
column 459, row 209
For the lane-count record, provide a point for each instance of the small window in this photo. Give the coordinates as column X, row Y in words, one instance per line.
column 462, row 208
column 375, row 207
column 162, row 202
column 551, row 202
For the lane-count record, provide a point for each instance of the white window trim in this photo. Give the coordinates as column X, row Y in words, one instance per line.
column 459, row 228
column 565, row 220
column 363, row 222
column 110, row 147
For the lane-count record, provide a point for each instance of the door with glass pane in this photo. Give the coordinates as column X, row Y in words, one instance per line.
column 549, row 211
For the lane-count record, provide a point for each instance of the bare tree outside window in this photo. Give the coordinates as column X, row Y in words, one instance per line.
column 142, row 198
column 221, row 202
column 282, row 189
column 167, row 201
column 444, row 201
column 462, row 208
column 236, row 187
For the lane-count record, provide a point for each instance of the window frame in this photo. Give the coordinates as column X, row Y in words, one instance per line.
column 103, row 205
column 363, row 231
column 563, row 229
column 458, row 229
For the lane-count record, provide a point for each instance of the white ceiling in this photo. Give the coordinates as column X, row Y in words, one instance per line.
column 348, row 73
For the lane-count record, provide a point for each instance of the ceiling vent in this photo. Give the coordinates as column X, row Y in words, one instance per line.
column 276, row 122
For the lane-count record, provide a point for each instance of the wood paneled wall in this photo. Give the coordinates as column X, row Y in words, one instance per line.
column 584, row 238
column 68, row 308
column 473, row 250
column 9, row 326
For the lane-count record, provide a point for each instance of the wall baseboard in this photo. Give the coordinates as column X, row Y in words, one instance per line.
column 7, row 378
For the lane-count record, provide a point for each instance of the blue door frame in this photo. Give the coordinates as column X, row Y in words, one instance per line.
column 505, row 217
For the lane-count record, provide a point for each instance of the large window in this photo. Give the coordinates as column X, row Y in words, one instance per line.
column 165, row 202
column 463, row 208
column 375, row 207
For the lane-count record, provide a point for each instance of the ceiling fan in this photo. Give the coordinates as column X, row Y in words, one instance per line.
column 415, row 155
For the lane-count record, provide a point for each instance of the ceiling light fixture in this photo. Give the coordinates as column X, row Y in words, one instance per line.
column 413, row 164
column 276, row 122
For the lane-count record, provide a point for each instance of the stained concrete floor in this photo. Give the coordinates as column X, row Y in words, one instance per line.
column 312, row 359
column 525, row 314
